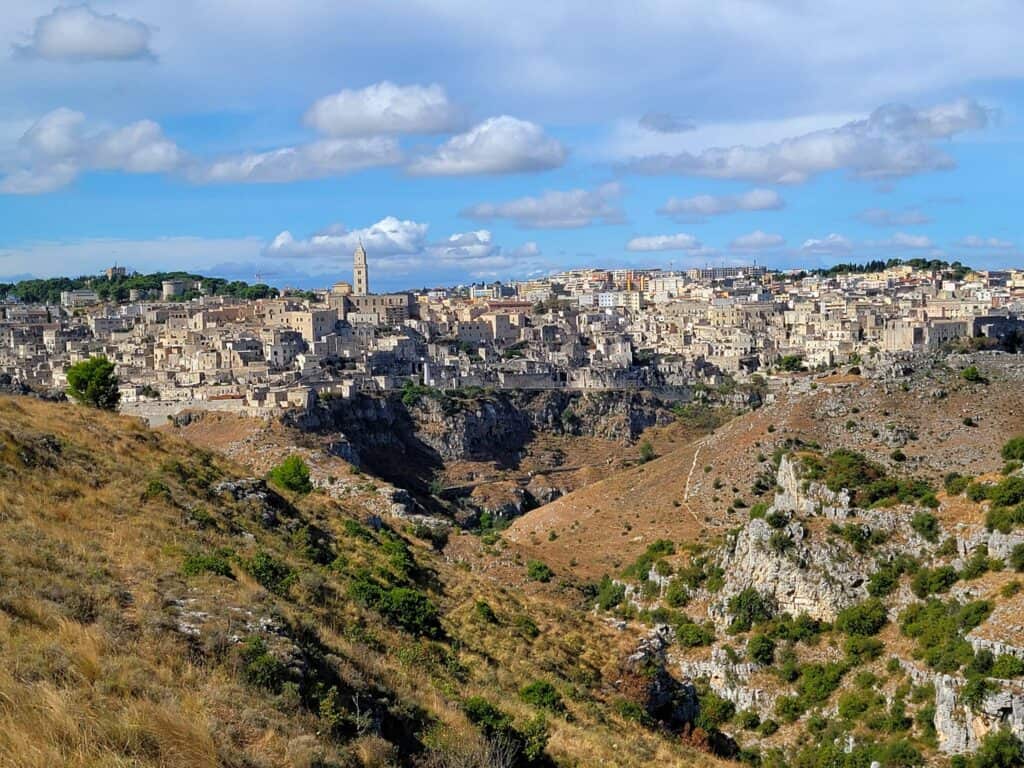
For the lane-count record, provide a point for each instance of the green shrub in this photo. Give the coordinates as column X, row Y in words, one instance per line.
column 273, row 574
column 747, row 719
column 939, row 628
column 714, row 710
column 259, row 667
column 758, row 510
column 404, row 607
column 630, row 710
column 1013, row 450
column 484, row 612
column 747, row 608
column 213, row 562
column 538, row 571
column 864, row 619
column 647, row 452
column 1006, row 666
column 676, row 593
column 973, row 375
column 689, row 634
column 926, row 525
column 761, row 650
column 292, row 474
column 658, row 549
column 999, row 749
column 610, row 593
column 955, row 483
column 863, row 649
column 542, row 694
column 977, row 492
column 487, row 716
column 928, row 581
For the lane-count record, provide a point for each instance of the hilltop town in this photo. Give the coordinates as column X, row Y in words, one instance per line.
column 248, row 349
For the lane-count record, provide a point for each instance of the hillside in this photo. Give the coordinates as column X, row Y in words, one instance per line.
column 161, row 606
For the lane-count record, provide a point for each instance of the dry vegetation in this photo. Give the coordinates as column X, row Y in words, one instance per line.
column 151, row 615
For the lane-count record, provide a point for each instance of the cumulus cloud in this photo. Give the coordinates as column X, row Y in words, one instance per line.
column 497, row 145
column 833, row 244
column 388, row 237
column 902, row 240
column 79, row 33
column 553, row 209
column 975, row 241
column 894, row 141
column 58, row 147
column 881, row 217
column 465, row 246
column 663, row 122
column 700, row 206
column 384, row 108
column 757, row 240
column 316, row 160
column 678, row 242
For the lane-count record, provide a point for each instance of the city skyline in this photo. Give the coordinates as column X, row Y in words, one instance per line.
column 461, row 150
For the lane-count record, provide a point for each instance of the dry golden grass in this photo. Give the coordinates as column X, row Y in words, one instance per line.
column 110, row 656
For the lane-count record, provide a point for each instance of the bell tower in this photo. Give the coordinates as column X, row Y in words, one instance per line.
column 360, row 274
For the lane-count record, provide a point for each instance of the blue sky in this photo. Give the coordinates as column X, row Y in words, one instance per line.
column 464, row 141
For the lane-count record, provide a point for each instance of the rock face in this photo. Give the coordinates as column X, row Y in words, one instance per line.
column 646, row 682
column 959, row 729
column 402, row 439
column 729, row 679
column 815, row 499
column 818, row 578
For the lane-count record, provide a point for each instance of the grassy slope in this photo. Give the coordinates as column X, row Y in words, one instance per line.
column 110, row 655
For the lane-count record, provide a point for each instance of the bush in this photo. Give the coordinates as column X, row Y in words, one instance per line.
column 929, row 581
column 1017, row 558
column 92, row 382
column 939, row 628
column 259, row 667
column 404, row 607
column 999, row 749
column 647, row 452
column 676, row 593
column 542, row 694
column 972, row 375
column 747, row 608
column 484, row 612
column 864, row 619
column 488, row 717
column 1013, row 450
column 714, row 710
column 955, row 483
column 926, row 525
column 689, row 634
column 292, row 474
column 538, row 571
column 1006, row 666
column 610, row 594
column 761, row 650
column 213, row 562
column 273, row 574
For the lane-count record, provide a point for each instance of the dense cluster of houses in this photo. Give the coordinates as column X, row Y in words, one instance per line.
column 585, row 329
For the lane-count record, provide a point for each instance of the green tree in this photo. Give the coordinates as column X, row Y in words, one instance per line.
column 292, row 474
column 92, row 382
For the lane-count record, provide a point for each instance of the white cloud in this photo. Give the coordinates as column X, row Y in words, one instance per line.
column 757, row 240
column 384, row 108
column 388, row 237
column 975, row 241
column 467, row 246
column 881, row 217
column 79, row 33
column 557, row 209
column 138, row 148
column 679, row 242
column 903, row 240
column 316, row 160
column 894, row 141
column 663, row 122
column 57, row 148
column 833, row 244
column 713, row 205
column 497, row 145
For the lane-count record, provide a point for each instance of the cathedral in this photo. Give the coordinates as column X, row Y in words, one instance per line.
column 358, row 305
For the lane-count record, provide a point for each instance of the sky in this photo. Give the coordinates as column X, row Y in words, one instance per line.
column 466, row 141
